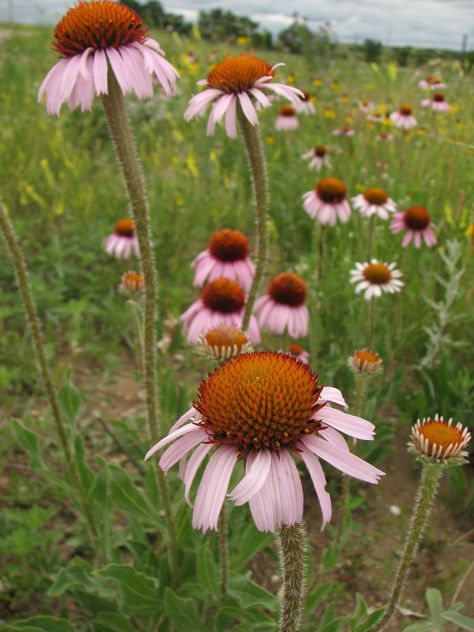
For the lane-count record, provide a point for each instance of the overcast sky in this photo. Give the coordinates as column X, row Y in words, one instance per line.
column 433, row 23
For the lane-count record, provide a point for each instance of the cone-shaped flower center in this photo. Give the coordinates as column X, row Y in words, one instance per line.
column 376, row 196
column 288, row 289
column 405, row 110
column 331, row 190
column 441, row 433
column 133, row 281
column 238, row 74
column 287, row 110
column 295, row 349
column 438, row 97
column 417, row 218
column 125, row 228
column 259, row 400
column 320, row 151
column 228, row 245
column 377, row 273
column 99, row 24
column 433, row 80
column 306, row 96
column 366, row 356
column 223, row 295
column 224, row 337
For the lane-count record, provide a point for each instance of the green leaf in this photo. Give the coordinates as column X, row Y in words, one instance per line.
column 139, row 592
column 183, row 613
column 361, row 606
column 434, row 599
column 206, row 569
column 40, row 624
column 69, row 401
column 371, row 620
column 76, row 575
column 426, row 626
column 250, row 542
column 86, row 474
column 30, row 442
column 249, row 594
column 317, row 595
column 112, row 622
column 466, row 623
column 330, row 556
column 125, row 495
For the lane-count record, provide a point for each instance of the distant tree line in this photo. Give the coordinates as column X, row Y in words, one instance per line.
column 298, row 38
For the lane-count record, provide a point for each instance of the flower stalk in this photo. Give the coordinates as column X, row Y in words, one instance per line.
column 21, row 272
column 125, row 146
column 427, row 490
column 224, row 549
column 258, row 170
column 292, row 556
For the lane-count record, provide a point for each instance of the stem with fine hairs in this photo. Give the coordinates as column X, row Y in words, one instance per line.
column 292, row 557
column 21, row 272
column 125, row 146
column 258, row 170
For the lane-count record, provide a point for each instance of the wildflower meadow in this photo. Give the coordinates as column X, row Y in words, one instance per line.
column 236, row 317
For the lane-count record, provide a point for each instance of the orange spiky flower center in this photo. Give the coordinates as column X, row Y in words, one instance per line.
column 366, row 356
column 224, row 336
column 331, row 190
column 376, row 196
column 405, row 110
column 133, row 281
column 377, row 273
column 441, row 433
column 417, row 218
column 223, row 295
column 438, row 97
column 238, row 74
column 98, row 25
column 259, row 400
column 287, row 110
column 228, row 245
column 320, row 151
column 433, row 79
column 288, row 288
column 125, row 228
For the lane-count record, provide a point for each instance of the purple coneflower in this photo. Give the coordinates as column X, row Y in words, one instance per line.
column 374, row 201
column 403, row 117
column 123, row 241
column 227, row 255
column 267, row 410
column 221, row 302
column 282, row 308
column 327, row 202
column 93, row 38
column 318, row 157
column 418, row 225
column 375, row 277
column 286, row 120
column 244, row 79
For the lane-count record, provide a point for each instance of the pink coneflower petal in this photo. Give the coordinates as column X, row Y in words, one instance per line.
column 181, row 447
column 192, row 467
column 171, row 437
column 331, row 394
column 341, row 459
column 319, row 481
column 213, row 488
column 254, row 479
column 247, row 108
column 192, row 413
column 348, row 424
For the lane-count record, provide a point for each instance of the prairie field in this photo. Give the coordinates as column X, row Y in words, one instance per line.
column 60, row 180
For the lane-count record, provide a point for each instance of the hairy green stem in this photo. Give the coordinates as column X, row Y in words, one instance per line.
column 370, row 340
column 125, row 146
column 428, row 487
column 21, row 271
column 292, row 556
column 258, row 170
column 224, row 549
